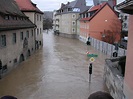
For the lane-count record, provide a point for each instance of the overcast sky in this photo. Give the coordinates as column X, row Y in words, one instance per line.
column 50, row 5
column 119, row 1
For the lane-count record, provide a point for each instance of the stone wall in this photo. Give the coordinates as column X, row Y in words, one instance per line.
column 114, row 80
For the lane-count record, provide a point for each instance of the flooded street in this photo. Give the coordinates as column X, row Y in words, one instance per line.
column 57, row 71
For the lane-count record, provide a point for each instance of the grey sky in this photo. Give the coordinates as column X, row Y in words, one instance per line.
column 50, row 5
column 119, row 1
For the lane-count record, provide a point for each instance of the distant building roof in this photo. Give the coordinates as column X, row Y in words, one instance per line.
column 11, row 17
column 27, row 6
column 97, row 7
column 79, row 4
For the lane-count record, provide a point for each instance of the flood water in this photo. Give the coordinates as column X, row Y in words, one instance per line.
column 57, row 71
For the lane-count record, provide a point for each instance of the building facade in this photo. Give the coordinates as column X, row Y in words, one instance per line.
column 96, row 24
column 67, row 16
column 36, row 16
column 126, row 7
column 16, row 36
column 124, row 32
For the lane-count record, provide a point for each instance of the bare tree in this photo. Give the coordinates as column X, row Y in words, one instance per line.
column 114, row 34
column 47, row 24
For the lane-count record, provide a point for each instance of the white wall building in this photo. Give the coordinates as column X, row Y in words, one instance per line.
column 66, row 17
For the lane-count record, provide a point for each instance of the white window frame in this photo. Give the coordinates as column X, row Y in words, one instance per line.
column 3, row 40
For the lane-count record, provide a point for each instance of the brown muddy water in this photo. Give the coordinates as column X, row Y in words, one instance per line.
column 57, row 71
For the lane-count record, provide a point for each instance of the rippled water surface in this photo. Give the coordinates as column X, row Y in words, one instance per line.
column 57, row 71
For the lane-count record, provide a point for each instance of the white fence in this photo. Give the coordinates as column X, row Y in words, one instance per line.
column 106, row 48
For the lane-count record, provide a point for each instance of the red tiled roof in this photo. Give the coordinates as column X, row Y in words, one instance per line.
column 97, row 7
column 27, row 5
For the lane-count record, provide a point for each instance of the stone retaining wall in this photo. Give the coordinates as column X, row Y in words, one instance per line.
column 114, row 80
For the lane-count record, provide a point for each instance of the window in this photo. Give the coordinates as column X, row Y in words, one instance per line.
column 73, row 23
column 15, row 18
column 69, row 9
column 40, row 18
column 15, row 60
column 6, row 17
column 20, row 18
column 125, row 25
column 32, row 32
column 4, row 67
column 14, row 38
column 73, row 30
column 37, row 31
column 86, row 15
column 3, row 40
column 21, row 36
column 62, row 11
column 25, row 18
column 73, row 16
column 27, row 34
column 76, row 10
column 40, row 42
column 37, row 18
column 83, row 15
column 125, row 17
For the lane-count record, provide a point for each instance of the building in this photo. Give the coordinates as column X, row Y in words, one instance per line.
column 124, row 32
column 66, row 18
column 126, row 7
column 16, row 36
column 95, row 23
column 36, row 16
column 54, row 20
